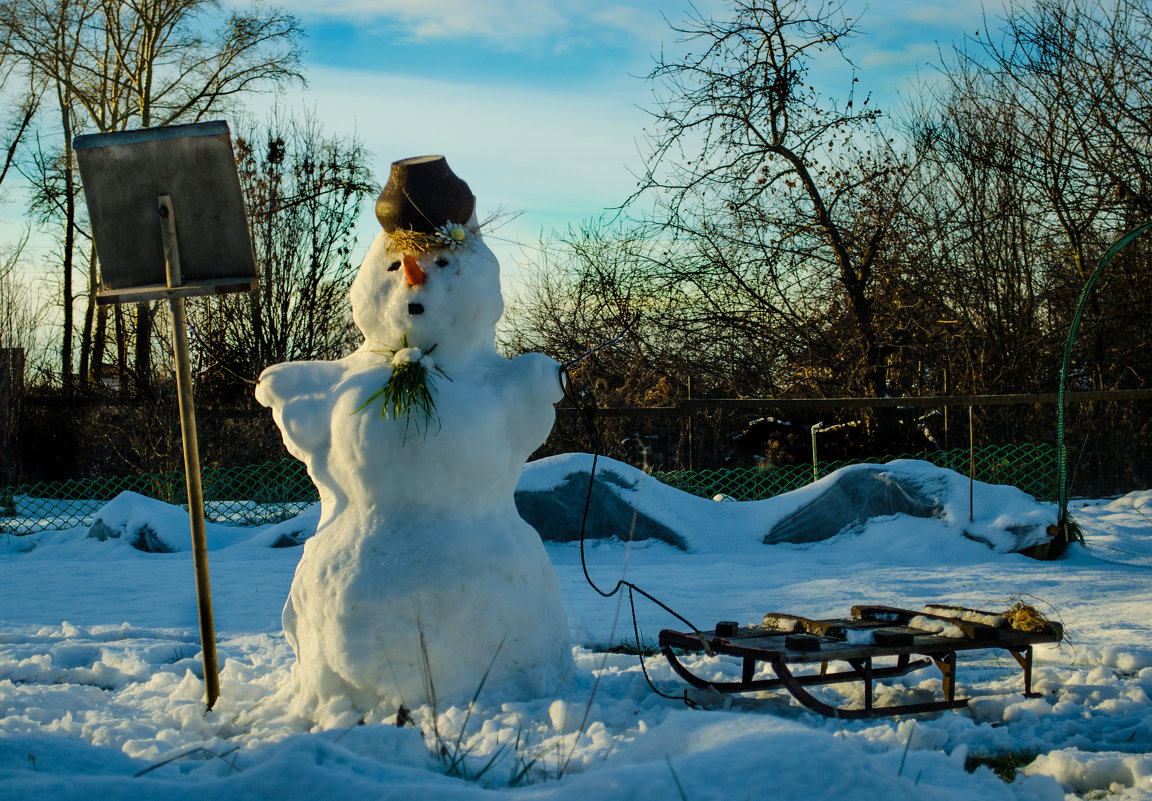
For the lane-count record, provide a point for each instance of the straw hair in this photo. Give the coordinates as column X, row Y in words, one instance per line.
column 406, row 240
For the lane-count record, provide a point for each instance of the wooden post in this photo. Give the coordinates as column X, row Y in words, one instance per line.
column 815, row 469
column 691, row 445
column 191, row 450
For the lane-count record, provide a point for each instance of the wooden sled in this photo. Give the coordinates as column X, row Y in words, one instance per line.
column 913, row 639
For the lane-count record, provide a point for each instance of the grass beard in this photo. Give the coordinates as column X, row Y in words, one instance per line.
column 408, row 391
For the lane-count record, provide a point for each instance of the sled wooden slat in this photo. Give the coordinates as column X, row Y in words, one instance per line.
column 854, row 645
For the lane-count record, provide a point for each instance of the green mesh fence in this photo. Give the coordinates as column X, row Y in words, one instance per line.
column 1032, row 468
column 275, row 491
column 247, row 496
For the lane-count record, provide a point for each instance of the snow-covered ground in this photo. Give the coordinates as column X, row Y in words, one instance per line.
column 101, row 692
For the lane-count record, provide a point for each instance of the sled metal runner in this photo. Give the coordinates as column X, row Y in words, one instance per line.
column 855, row 645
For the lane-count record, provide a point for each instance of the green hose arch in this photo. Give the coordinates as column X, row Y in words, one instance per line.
column 1061, row 453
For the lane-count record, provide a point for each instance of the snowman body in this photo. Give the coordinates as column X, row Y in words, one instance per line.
column 422, row 583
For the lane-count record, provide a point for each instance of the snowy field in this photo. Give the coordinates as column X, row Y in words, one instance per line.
column 101, row 692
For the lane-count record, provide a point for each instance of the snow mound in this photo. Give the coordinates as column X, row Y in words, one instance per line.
column 143, row 523
column 153, row 526
column 556, row 510
column 852, row 496
column 552, row 492
column 629, row 505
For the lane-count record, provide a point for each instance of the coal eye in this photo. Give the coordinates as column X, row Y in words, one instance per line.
column 394, row 266
column 441, row 262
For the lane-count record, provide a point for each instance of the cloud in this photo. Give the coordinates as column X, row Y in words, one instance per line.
column 960, row 17
column 511, row 24
column 911, row 56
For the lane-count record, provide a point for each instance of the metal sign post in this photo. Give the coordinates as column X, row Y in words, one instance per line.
column 134, row 181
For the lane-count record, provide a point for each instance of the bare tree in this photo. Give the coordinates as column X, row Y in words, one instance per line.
column 590, row 285
column 784, row 194
column 137, row 63
column 981, row 244
column 1039, row 143
column 1089, row 61
column 303, row 191
column 20, row 315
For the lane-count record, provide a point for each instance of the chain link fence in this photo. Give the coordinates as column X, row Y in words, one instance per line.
column 1032, row 468
column 243, row 496
column 275, row 491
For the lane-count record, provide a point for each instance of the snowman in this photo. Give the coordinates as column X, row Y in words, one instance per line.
column 422, row 583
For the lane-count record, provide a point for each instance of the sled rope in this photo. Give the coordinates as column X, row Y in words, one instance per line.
column 585, row 404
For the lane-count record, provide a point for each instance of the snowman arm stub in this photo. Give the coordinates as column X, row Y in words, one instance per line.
column 538, row 375
column 301, row 399
column 532, row 389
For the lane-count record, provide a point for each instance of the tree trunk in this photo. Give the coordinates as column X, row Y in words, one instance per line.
column 86, row 360
column 143, row 352
column 121, row 347
column 99, row 343
column 69, row 245
column 11, row 393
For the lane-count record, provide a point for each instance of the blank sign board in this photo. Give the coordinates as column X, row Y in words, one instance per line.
column 124, row 173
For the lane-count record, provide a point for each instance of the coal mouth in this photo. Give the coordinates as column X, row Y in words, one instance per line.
column 415, row 308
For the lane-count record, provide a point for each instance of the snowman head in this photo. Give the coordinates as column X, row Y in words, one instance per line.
column 428, row 274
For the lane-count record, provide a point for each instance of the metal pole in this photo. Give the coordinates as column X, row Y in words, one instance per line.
column 945, row 411
column 191, row 451
column 971, row 464
column 815, row 469
column 1061, row 450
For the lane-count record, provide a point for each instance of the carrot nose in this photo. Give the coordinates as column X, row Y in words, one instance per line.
column 412, row 271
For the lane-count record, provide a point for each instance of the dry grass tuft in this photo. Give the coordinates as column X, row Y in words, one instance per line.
column 408, row 241
column 1025, row 617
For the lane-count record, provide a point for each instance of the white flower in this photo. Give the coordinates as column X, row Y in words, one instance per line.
column 452, row 235
column 406, row 356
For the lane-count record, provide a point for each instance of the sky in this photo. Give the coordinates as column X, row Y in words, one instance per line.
column 540, row 104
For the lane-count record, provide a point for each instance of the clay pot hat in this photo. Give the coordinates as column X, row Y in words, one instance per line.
column 423, row 194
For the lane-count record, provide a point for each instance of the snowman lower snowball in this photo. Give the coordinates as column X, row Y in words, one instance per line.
column 422, row 582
